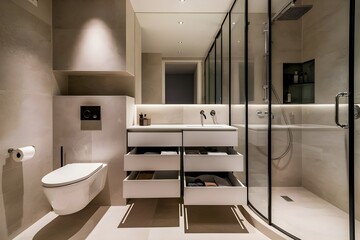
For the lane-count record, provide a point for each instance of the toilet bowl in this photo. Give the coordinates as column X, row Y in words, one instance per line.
column 70, row 188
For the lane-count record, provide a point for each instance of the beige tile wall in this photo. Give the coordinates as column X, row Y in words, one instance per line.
column 27, row 85
column 101, row 85
column 325, row 38
column 93, row 37
column 107, row 145
column 151, row 78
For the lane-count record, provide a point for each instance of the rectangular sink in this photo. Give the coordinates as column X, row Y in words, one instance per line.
column 205, row 126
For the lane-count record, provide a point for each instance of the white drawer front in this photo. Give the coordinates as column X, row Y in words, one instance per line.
column 154, row 139
column 210, row 138
column 235, row 195
column 151, row 162
column 158, row 187
column 199, row 163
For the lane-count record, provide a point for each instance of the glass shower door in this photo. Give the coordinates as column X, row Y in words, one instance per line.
column 258, row 109
column 356, row 124
column 310, row 162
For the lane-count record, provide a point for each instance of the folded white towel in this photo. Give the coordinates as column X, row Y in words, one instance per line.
column 217, row 153
column 168, row 153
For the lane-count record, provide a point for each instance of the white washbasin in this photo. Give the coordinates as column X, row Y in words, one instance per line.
column 205, row 126
column 209, row 127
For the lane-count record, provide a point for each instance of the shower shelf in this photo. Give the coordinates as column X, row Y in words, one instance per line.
column 302, row 91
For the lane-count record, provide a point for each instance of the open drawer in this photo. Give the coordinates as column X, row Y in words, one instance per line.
column 213, row 159
column 143, row 159
column 158, row 184
column 235, row 194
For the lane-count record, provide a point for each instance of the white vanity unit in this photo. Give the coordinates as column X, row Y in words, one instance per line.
column 206, row 151
column 153, row 163
column 210, row 153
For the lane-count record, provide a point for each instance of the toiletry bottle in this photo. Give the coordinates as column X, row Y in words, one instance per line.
column 145, row 120
column 141, row 119
column 296, row 77
column 288, row 97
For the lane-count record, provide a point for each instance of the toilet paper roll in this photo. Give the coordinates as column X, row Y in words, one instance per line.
column 23, row 154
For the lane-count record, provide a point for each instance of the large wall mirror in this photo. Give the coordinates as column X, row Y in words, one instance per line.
column 182, row 47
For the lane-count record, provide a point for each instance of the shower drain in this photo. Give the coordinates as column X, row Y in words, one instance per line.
column 286, row 198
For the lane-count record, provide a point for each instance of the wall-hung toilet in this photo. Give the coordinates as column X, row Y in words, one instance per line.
column 70, row 188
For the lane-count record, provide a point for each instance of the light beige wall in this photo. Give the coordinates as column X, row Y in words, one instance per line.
column 27, row 86
column 107, row 145
column 286, row 48
column 101, row 85
column 151, row 78
column 325, row 39
column 92, row 36
column 256, row 56
column 42, row 11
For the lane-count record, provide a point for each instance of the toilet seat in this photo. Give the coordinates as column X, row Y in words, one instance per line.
column 70, row 173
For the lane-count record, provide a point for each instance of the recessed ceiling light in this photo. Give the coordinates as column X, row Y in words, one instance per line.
column 181, row 0
column 180, row 42
column 233, row 23
column 180, row 22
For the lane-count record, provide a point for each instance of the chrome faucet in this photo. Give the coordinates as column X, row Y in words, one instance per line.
column 202, row 116
column 213, row 115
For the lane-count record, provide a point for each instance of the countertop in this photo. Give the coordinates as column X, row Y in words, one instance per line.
column 181, row 127
column 262, row 127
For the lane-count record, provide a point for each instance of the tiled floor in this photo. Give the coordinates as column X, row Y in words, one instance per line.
column 101, row 223
column 307, row 217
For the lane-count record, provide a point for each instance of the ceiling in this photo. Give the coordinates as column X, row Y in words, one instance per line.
column 161, row 32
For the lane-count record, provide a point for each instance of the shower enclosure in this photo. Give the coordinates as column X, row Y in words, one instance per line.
column 300, row 117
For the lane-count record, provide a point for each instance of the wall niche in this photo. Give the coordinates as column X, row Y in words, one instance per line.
column 299, row 82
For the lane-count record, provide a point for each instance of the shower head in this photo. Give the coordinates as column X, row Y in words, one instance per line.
column 294, row 12
column 291, row 12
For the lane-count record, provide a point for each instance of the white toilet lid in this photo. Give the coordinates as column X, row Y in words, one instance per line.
column 70, row 173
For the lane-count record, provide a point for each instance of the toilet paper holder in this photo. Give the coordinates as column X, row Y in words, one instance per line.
column 10, row 150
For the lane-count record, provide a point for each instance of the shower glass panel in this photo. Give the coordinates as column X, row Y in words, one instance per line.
column 237, row 27
column 236, row 23
column 218, row 70
column 309, row 152
column 212, row 71
column 258, row 109
column 207, row 80
column 225, row 77
column 357, row 121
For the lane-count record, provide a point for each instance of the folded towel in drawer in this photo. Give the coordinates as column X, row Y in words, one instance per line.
column 194, row 182
column 217, row 153
column 168, row 153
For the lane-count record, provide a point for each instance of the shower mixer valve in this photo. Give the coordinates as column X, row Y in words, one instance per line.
column 262, row 114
